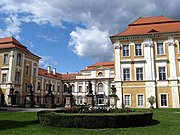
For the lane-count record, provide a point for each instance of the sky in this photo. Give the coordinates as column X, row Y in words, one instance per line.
column 71, row 34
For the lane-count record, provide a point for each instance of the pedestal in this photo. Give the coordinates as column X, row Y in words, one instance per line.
column 90, row 100
column 68, row 101
column 113, row 101
column 29, row 101
column 50, row 101
column 11, row 99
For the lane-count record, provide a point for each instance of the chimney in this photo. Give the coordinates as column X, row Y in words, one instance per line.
column 54, row 71
column 49, row 69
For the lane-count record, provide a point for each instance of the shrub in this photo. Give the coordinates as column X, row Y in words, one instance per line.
column 93, row 120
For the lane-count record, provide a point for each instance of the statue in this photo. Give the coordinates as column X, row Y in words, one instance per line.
column 30, row 88
column 49, row 90
column 11, row 91
column 90, row 87
column 69, row 88
column 113, row 90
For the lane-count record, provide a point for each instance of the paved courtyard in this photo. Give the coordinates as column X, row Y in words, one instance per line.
column 19, row 109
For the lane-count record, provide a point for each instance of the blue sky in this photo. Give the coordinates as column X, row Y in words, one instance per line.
column 70, row 35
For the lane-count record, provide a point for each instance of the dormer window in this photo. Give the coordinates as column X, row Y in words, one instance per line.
column 100, row 74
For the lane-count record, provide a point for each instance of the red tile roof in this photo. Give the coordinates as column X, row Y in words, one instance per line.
column 44, row 72
column 11, row 42
column 70, row 76
column 145, row 25
column 108, row 64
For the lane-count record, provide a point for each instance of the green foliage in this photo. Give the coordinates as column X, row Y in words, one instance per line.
column 165, row 121
column 95, row 120
column 151, row 100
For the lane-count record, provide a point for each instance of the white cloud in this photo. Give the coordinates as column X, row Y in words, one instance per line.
column 46, row 61
column 91, row 43
column 12, row 27
column 47, row 38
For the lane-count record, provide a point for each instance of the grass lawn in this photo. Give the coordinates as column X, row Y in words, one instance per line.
column 25, row 123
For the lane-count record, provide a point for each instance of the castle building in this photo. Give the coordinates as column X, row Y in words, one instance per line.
column 147, row 63
column 18, row 68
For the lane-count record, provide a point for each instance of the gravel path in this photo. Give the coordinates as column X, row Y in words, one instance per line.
column 17, row 109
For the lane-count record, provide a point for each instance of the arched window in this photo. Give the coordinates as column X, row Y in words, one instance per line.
column 79, row 100
column 73, row 88
column 100, row 74
column 100, row 87
column 18, row 60
column 65, row 88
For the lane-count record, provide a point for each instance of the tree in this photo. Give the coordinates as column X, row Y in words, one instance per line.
column 151, row 100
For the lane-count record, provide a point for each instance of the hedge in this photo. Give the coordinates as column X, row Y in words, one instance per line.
column 112, row 120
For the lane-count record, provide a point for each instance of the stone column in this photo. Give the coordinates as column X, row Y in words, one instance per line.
column 149, row 69
column 117, row 79
column 173, row 73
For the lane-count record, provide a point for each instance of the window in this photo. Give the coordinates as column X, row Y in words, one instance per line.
column 162, row 73
column 58, row 88
column 73, row 88
column 65, row 88
column 39, row 86
column 19, row 60
column 79, row 100
column 140, row 100
column 100, row 100
column 5, row 59
column 27, row 69
column 47, row 86
column 80, row 89
column 86, row 88
column 179, row 46
column 100, row 87
column 126, row 74
column 163, row 100
column 160, row 49
column 53, row 87
column 3, row 78
column 127, row 100
column 26, row 87
column 58, row 99
column 34, row 72
column 138, row 50
column 125, row 50
column 18, row 78
column 100, row 74
column 139, row 74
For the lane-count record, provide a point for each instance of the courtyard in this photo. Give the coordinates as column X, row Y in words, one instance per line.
column 166, row 122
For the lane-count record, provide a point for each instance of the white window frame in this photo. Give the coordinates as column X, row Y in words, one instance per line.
column 128, row 50
column 135, row 49
column 136, row 73
column 164, row 49
column 79, row 88
column 139, row 94
column 4, row 60
column 4, row 83
column 129, row 100
column 100, row 88
column 166, row 100
column 79, row 100
column 165, row 72
column 129, row 74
